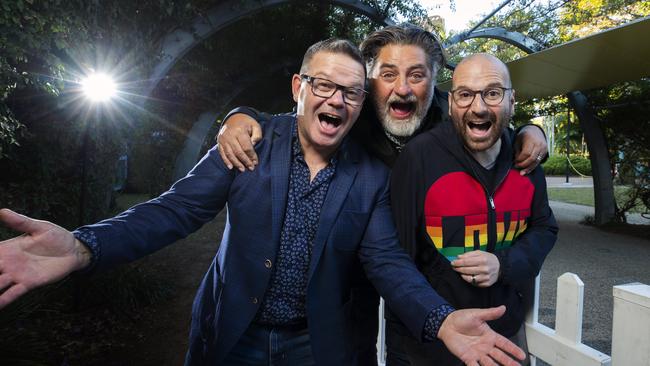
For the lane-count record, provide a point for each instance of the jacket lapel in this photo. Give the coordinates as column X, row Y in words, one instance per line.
column 336, row 196
column 280, row 165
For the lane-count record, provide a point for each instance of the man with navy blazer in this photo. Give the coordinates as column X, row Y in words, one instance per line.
column 301, row 229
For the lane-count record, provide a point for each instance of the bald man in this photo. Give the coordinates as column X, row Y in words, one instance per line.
column 477, row 229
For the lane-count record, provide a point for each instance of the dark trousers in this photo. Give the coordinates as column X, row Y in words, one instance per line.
column 272, row 346
column 404, row 350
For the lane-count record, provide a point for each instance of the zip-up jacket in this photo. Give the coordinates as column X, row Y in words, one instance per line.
column 443, row 206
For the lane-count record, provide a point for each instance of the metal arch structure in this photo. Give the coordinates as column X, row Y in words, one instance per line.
column 190, row 153
column 524, row 43
column 176, row 44
column 605, row 204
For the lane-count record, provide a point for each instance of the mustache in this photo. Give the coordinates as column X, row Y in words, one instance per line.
column 398, row 99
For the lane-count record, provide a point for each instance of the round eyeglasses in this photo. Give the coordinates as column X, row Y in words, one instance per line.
column 492, row 96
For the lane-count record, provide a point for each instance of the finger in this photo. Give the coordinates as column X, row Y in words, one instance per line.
column 543, row 151
column 11, row 295
column 510, row 348
column 18, row 222
column 256, row 134
column 472, row 254
column 468, row 262
column 501, row 357
column 466, row 270
column 246, row 152
column 528, row 165
column 232, row 158
column 238, row 150
column 487, row 361
column 224, row 157
column 5, row 281
column 467, row 278
column 525, row 158
column 525, row 153
column 492, row 314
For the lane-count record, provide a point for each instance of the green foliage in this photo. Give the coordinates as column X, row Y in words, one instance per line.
column 47, row 131
column 78, row 321
column 624, row 111
column 556, row 165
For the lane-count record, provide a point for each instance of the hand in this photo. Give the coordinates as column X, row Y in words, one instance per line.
column 530, row 148
column 236, row 139
column 478, row 268
column 46, row 253
column 467, row 335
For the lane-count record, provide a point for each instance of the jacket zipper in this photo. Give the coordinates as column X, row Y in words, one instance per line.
column 492, row 217
column 492, row 237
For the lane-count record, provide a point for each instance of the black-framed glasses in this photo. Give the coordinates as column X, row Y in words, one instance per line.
column 326, row 88
column 492, row 96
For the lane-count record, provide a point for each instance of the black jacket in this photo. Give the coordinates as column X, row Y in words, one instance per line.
column 442, row 207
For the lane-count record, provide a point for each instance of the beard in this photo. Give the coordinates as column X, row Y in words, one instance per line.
column 498, row 124
column 403, row 127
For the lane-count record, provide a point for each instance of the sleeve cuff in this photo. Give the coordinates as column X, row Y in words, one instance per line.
column 88, row 238
column 434, row 320
column 251, row 112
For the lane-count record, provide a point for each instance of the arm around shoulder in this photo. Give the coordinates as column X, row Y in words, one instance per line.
column 239, row 132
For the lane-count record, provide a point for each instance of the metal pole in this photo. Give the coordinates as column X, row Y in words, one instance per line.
column 568, row 141
column 84, row 162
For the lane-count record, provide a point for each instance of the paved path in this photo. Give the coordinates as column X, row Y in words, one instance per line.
column 602, row 260
column 579, row 211
column 574, row 182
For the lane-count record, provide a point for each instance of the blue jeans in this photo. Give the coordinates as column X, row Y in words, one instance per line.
column 272, row 346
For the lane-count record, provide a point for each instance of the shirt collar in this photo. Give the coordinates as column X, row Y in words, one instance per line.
column 296, row 148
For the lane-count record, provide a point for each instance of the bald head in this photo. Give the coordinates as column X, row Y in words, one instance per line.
column 480, row 64
column 482, row 100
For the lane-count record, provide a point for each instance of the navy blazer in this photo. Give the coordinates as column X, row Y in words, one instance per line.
column 355, row 230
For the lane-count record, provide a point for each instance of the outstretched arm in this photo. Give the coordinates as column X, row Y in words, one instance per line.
column 467, row 335
column 530, row 148
column 44, row 254
column 236, row 139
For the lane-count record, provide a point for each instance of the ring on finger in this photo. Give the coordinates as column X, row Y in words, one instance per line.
column 473, row 280
column 539, row 157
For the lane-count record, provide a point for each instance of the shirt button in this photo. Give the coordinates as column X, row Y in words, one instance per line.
column 254, row 300
column 267, row 263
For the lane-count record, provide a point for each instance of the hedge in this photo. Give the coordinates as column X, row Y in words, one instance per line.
column 556, row 165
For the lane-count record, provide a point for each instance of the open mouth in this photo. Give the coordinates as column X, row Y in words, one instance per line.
column 329, row 120
column 479, row 127
column 402, row 109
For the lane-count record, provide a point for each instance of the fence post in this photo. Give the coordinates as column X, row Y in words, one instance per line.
column 563, row 347
column 631, row 325
column 568, row 307
column 381, row 337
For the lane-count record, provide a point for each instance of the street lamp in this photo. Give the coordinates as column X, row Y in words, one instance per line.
column 97, row 88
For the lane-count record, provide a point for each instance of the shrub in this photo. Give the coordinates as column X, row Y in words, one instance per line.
column 556, row 165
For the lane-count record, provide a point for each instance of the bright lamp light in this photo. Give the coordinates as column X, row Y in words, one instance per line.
column 98, row 87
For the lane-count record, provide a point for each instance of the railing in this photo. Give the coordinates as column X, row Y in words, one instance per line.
column 563, row 345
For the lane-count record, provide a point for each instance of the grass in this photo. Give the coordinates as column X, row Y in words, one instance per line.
column 585, row 196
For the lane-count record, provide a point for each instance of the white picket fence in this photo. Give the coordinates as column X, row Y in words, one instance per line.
column 563, row 345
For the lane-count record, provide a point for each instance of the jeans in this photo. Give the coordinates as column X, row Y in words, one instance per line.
column 272, row 346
